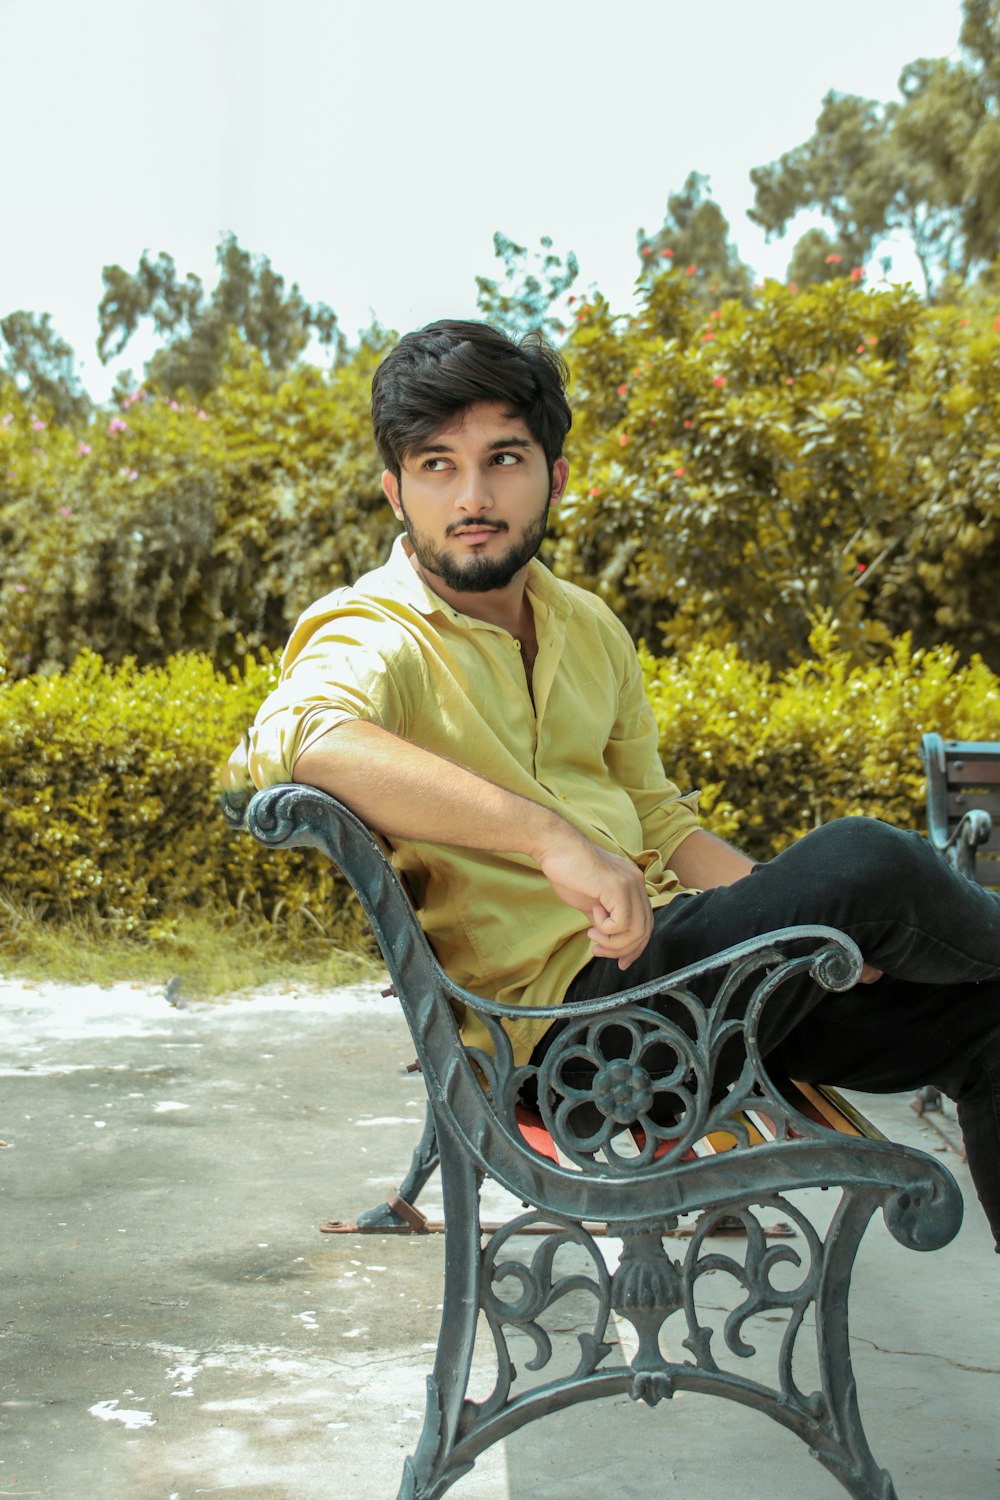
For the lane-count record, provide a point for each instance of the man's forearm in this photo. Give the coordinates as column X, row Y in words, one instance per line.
column 702, row 862
column 406, row 792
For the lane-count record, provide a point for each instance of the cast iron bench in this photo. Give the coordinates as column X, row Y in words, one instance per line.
column 644, row 1182
column 963, row 804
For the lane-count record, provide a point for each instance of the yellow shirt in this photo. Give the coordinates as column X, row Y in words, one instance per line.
column 390, row 651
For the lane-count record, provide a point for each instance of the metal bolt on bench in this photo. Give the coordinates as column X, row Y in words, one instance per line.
column 739, row 1154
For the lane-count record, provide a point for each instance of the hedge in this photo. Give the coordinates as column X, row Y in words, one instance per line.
column 111, row 771
column 108, row 800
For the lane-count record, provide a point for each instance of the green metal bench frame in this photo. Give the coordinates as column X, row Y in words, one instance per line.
column 640, row 1191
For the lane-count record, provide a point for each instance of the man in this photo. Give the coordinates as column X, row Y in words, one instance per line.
column 490, row 722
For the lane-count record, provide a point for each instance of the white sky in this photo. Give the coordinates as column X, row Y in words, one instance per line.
column 371, row 147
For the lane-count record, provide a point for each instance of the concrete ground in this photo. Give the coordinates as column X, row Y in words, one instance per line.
column 174, row 1325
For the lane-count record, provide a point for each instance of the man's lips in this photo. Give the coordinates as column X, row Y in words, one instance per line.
column 477, row 533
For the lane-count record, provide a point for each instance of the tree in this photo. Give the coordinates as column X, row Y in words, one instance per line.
column 925, row 163
column 526, row 299
column 694, row 238
column 250, row 298
column 43, row 366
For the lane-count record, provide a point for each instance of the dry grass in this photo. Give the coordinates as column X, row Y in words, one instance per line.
column 205, row 954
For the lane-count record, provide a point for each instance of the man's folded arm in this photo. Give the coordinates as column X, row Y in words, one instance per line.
column 406, row 792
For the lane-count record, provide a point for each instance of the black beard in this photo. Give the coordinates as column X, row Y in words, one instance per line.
column 478, row 574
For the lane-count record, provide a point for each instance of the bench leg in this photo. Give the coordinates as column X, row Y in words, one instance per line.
column 422, row 1166
column 432, row 1469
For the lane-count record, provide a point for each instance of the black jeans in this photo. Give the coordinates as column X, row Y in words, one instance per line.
column 933, row 1018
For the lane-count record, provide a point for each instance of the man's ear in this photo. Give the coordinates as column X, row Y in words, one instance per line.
column 560, row 479
column 390, row 486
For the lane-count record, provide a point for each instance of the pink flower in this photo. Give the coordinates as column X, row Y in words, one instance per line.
column 175, row 407
column 871, row 340
column 860, row 349
column 7, row 419
column 623, row 390
column 719, row 380
column 707, row 338
column 623, row 439
column 116, row 425
column 790, row 381
column 65, row 510
column 679, row 472
column 793, row 287
column 20, row 588
column 37, row 425
column 594, row 491
column 202, row 416
column 84, row 450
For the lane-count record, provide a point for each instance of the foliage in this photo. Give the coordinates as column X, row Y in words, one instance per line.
column 110, row 778
column 167, row 527
column 42, row 366
column 823, row 455
column 527, row 300
column 777, row 754
column 108, row 823
column 925, row 163
column 250, row 298
column 694, row 237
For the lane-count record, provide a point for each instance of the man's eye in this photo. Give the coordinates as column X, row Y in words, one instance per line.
column 432, row 465
column 506, row 459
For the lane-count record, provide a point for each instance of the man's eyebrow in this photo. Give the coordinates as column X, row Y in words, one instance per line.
column 496, row 446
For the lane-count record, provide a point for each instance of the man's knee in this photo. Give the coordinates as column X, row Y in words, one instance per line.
column 864, row 852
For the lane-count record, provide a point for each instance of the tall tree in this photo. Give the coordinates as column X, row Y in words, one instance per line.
column 250, row 297
column 43, row 366
column 527, row 297
column 694, row 237
column 924, row 163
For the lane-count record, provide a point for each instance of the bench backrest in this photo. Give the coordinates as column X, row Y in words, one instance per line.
column 963, row 779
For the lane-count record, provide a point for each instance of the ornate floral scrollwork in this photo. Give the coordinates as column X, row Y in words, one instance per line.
column 645, row 1289
column 538, row 1286
column 635, row 1068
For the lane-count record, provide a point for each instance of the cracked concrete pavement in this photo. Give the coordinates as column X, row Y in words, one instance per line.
column 174, row 1325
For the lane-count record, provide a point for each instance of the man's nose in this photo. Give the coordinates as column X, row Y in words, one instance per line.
column 474, row 496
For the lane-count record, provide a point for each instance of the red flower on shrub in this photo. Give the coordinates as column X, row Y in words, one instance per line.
column 623, row 439
column 688, row 422
column 594, row 491
column 857, row 273
column 860, row 349
column 833, row 260
column 690, row 270
column 667, row 254
column 647, row 249
column 719, row 380
column 623, row 390
column 679, row 472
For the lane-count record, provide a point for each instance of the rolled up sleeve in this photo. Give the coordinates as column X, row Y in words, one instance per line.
column 340, row 664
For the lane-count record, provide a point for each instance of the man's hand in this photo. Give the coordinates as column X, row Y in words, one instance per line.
column 609, row 890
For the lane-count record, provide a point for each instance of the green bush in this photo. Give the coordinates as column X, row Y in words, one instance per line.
column 111, row 772
column 828, row 454
column 778, row 753
column 165, row 527
column 108, row 803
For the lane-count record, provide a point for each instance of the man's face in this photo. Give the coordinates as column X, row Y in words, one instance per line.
column 475, row 499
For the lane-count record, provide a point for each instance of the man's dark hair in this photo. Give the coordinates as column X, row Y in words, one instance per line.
column 434, row 375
